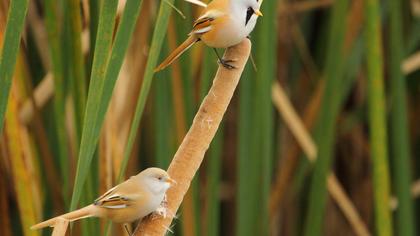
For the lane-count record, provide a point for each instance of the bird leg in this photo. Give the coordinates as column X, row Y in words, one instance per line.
column 224, row 63
column 126, row 229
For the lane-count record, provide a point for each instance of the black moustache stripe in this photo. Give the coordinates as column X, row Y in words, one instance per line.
column 249, row 13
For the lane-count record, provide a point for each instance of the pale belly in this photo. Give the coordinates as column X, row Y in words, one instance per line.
column 226, row 32
column 132, row 213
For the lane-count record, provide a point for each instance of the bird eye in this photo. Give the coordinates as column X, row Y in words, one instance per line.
column 160, row 178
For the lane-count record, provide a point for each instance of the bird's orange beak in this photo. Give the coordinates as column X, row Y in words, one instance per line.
column 258, row 13
column 170, row 181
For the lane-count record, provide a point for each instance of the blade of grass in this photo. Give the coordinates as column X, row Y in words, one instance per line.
column 74, row 74
column 414, row 36
column 307, row 144
column 326, row 121
column 214, row 175
column 104, row 75
column 52, row 21
column 109, row 71
column 352, row 68
column 94, row 8
column 246, row 173
column 10, row 48
column 400, row 143
column 377, row 119
column 91, row 129
column 162, row 116
column 263, row 126
column 119, row 49
column 157, row 40
column 255, row 149
column 77, row 65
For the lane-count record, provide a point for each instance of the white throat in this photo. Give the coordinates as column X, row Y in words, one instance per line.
column 239, row 10
column 158, row 187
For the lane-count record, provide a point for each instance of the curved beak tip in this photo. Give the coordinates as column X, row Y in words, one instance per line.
column 258, row 13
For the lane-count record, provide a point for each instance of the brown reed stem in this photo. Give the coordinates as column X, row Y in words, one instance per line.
column 190, row 154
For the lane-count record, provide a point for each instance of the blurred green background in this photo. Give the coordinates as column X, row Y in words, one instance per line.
column 322, row 136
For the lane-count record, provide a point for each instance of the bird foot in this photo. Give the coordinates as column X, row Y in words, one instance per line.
column 225, row 64
column 128, row 231
column 161, row 211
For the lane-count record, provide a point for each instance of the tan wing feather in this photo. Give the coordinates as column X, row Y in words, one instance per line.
column 71, row 216
column 201, row 26
column 118, row 196
column 177, row 52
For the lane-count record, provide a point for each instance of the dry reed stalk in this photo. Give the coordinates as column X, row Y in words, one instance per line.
column 42, row 94
column 303, row 49
column 60, row 227
column 415, row 193
column 114, row 135
column 188, row 219
column 37, row 27
column 85, row 11
column 177, row 88
column 347, row 207
column 123, row 101
column 5, row 221
column 411, row 64
column 206, row 122
column 415, row 7
column 121, row 6
column 52, row 177
column 293, row 121
column 415, row 188
column 288, row 164
column 4, row 7
column 355, row 21
column 72, row 142
column 47, row 159
column 45, row 90
column 304, row 139
column 24, row 176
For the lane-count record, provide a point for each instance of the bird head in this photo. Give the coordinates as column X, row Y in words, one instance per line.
column 157, row 180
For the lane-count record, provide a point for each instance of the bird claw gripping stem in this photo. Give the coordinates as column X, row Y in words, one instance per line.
column 225, row 64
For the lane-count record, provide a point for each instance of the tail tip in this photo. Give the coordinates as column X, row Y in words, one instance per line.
column 159, row 68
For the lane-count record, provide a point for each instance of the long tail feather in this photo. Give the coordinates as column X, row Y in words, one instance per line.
column 84, row 212
column 177, row 52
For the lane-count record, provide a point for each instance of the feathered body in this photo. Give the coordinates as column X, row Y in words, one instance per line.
column 223, row 23
column 133, row 199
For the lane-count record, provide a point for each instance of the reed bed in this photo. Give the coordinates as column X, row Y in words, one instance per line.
column 321, row 136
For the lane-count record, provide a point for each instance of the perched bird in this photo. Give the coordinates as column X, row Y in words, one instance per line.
column 133, row 199
column 223, row 24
